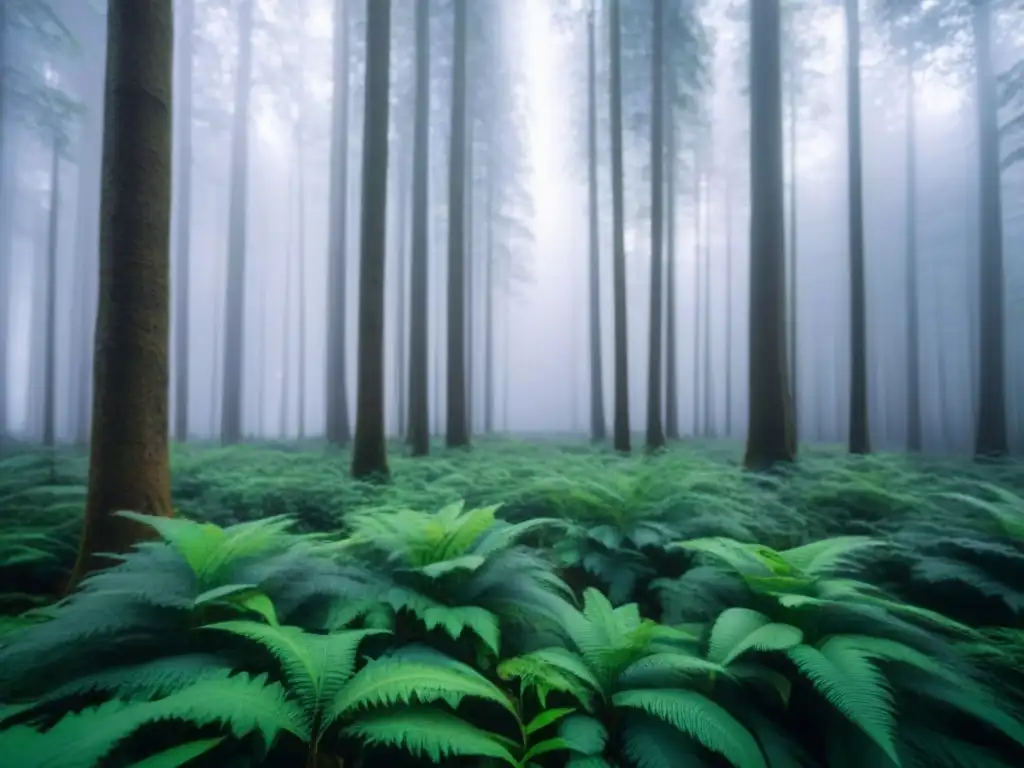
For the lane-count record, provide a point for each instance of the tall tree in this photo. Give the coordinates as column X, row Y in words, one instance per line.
column 50, row 350
column 369, row 453
column 770, row 433
column 129, row 465
column 183, row 209
column 339, row 431
column 655, row 428
column 234, row 306
column 457, row 426
column 859, row 435
column 419, row 316
column 597, row 419
column 621, row 437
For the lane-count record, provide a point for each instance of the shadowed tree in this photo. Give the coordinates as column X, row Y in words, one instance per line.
column 655, row 429
column 369, row 453
column 128, row 461
column 770, row 433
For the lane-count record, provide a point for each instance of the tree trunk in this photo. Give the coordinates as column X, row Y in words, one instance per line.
column 234, row 308
column 419, row 314
column 286, row 343
column 183, row 209
column 50, row 369
column 300, row 161
column 369, row 453
column 457, row 427
column 598, row 430
column 698, row 250
column 709, row 392
column 489, row 311
column 913, row 345
column 991, row 439
column 404, row 194
column 128, row 461
column 728, row 307
column 621, row 439
column 339, row 431
column 770, row 434
column 859, row 437
column 469, row 274
column 655, row 429
column 671, row 364
column 794, row 318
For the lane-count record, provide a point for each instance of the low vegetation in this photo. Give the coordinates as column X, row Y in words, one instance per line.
column 525, row 606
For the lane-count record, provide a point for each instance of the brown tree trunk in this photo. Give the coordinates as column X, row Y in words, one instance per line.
column 128, row 463
column 369, row 452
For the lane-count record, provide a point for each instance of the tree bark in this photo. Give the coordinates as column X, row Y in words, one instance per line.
column 913, row 344
column 598, row 430
column 770, row 436
column 621, row 438
column 671, row 357
column 859, row 436
column 339, row 431
column 457, row 426
column 50, row 348
column 655, row 429
column 369, row 452
column 128, row 462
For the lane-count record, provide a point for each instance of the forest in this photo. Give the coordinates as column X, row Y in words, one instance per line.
column 532, row 383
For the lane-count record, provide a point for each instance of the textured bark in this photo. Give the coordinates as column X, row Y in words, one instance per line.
column 457, row 426
column 621, row 438
column 770, row 438
column 991, row 439
column 655, row 428
column 50, row 343
column 183, row 209
column 419, row 315
column 913, row 344
column 859, row 436
column 128, row 462
column 232, row 379
column 598, row 429
column 339, row 431
column 369, row 453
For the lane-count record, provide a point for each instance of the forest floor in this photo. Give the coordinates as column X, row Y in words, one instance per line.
column 929, row 549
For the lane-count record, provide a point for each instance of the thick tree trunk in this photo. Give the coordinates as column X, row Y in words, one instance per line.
column 655, row 429
column 339, row 431
column 369, row 453
column 183, row 209
column 128, row 461
column 991, row 439
column 419, row 314
column 598, row 430
column 770, row 435
column 234, row 308
column 621, row 439
column 913, row 344
column 859, row 437
column 457, row 426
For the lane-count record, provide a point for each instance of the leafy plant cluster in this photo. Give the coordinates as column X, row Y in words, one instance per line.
column 632, row 618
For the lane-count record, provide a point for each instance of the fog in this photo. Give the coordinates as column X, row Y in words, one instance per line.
column 528, row 107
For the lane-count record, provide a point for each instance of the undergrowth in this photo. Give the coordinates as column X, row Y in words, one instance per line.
column 525, row 606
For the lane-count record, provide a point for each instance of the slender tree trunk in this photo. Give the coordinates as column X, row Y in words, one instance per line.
column 339, row 431
column 286, row 343
column 489, row 311
column 183, row 208
column 457, row 427
column 794, row 307
column 728, row 307
column 300, row 162
column 770, row 434
column 598, row 430
column 913, row 344
column 369, row 454
column 859, row 437
column 403, row 193
column 671, row 363
column 419, row 314
column 469, row 275
column 698, row 250
column 50, row 369
column 234, row 309
column 129, row 465
column 991, row 439
column 709, row 392
column 655, row 430
column 621, row 438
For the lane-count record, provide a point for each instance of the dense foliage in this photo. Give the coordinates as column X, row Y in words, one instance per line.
column 528, row 606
